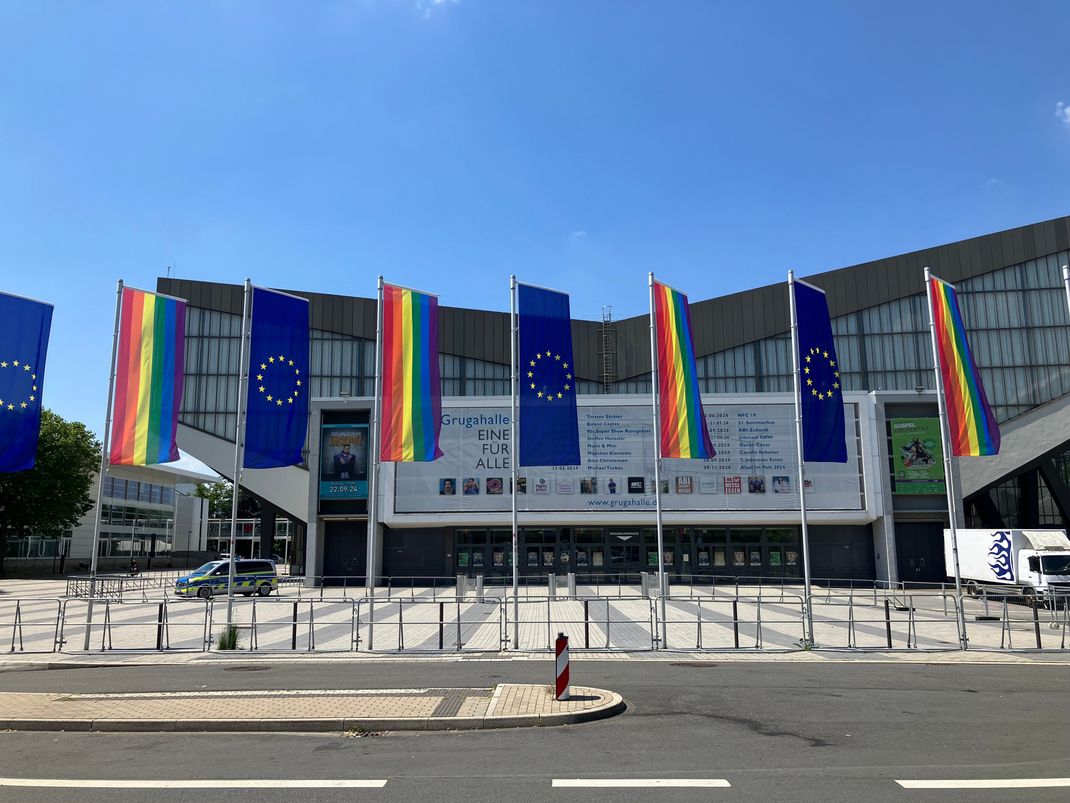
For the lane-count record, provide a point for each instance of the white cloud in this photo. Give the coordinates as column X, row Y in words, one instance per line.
column 1062, row 112
column 579, row 235
column 996, row 183
column 425, row 7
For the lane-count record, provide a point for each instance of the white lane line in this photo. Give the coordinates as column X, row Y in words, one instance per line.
column 642, row 783
column 252, row 784
column 987, row 783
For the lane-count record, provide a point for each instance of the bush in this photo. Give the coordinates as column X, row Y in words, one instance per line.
column 228, row 638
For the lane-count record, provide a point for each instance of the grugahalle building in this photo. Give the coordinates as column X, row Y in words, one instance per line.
column 879, row 516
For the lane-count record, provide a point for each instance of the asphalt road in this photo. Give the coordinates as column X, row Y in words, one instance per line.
column 774, row 731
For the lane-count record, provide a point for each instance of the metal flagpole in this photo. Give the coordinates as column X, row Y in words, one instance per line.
column 807, row 590
column 239, row 444
column 373, row 477
column 1066, row 285
column 514, row 333
column 663, row 585
column 103, row 466
column 949, row 476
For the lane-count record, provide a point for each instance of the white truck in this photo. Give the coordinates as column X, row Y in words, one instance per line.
column 1036, row 561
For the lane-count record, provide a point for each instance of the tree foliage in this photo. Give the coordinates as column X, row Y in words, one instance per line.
column 218, row 495
column 50, row 498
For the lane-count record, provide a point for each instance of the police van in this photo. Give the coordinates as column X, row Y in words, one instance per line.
column 250, row 577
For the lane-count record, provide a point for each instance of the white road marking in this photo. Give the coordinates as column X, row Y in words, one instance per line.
column 641, row 783
column 252, row 784
column 987, row 783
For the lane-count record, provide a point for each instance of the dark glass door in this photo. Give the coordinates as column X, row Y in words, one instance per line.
column 746, row 553
column 624, row 553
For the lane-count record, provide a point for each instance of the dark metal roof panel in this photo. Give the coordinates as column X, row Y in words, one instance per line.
column 720, row 323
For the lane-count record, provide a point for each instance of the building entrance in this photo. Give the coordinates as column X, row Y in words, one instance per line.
column 733, row 552
column 919, row 548
column 625, row 551
column 486, row 552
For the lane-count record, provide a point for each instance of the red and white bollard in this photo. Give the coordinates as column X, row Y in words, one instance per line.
column 561, row 648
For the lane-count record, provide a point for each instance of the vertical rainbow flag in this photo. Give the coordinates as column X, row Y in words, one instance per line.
column 972, row 426
column 148, row 378
column 412, row 393
column 683, row 426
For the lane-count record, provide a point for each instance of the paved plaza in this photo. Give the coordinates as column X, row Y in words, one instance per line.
column 35, row 617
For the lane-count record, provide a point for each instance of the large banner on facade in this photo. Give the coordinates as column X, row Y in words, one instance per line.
column 344, row 461
column 918, row 458
column 754, row 468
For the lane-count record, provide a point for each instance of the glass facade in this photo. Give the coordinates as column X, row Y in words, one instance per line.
column 247, row 538
column 145, row 512
column 1016, row 318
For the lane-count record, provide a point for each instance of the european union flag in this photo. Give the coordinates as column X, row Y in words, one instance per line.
column 277, row 409
column 824, row 440
column 549, row 434
column 24, row 327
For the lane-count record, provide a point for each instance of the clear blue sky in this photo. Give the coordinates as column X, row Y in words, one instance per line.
column 446, row 144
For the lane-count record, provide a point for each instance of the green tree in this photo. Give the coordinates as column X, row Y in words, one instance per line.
column 218, row 495
column 50, row 498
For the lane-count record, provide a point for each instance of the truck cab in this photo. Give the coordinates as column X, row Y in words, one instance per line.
column 1047, row 571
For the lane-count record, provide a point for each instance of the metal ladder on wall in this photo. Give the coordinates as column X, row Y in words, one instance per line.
column 608, row 351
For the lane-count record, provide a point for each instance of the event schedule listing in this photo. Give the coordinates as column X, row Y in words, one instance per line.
column 745, row 441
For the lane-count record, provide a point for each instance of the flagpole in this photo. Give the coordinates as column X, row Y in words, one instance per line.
column 104, row 460
column 1066, row 285
column 663, row 585
column 514, row 333
column 949, row 476
column 239, row 450
column 374, row 429
column 807, row 589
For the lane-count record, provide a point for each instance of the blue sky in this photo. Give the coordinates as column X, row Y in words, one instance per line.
column 446, row 144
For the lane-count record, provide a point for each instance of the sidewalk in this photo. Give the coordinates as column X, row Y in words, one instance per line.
column 507, row 705
column 28, row 661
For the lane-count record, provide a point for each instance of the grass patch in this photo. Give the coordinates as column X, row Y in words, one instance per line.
column 228, row 638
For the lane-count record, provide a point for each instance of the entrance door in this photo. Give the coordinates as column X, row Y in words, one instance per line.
column 624, row 553
column 919, row 550
column 710, row 552
column 650, row 551
column 747, row 556
column 501, row 553
column 344, row 554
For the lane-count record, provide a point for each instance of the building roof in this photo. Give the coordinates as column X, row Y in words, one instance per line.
column 719, row 323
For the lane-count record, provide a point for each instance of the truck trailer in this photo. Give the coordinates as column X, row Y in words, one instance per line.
column 1035, row 561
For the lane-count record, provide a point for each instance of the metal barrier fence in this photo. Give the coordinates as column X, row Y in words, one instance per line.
column 774, row 620
column 120, row 586
column 893, row 621
column 607, row 584
column 732, row 623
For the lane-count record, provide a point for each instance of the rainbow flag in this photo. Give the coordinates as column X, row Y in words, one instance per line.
column 683, row 426
column 412, row 393
column 970, row 421
column 148, row 378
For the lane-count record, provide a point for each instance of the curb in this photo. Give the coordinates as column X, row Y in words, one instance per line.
column 611, row 707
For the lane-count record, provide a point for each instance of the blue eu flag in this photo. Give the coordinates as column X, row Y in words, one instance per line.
column 24, row 326
column 824, row 440
column 277, row 409
column 549, row 434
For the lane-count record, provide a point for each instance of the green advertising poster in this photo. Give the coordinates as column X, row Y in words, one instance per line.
column 917, row 456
